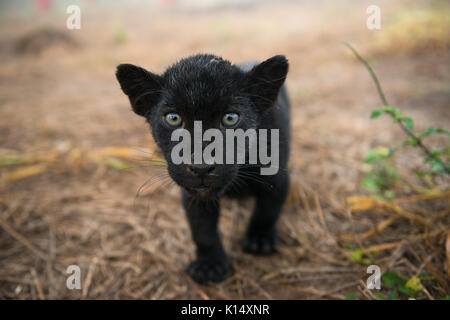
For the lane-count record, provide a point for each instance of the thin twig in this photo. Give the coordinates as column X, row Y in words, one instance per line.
column 372, row 74
column 37, row 284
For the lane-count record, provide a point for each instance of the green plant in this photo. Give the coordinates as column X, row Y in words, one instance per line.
column 120, row 36
column 433, row 155
column 359, row 257
column 383, row 174
column 351, row 296
column 398, row 283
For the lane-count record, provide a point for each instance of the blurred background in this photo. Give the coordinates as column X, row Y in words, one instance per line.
column 77, row 187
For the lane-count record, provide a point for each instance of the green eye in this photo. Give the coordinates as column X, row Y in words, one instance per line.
column 173, row 119
column 230, row 119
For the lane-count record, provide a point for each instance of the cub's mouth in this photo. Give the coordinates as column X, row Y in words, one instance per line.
column 204, row 191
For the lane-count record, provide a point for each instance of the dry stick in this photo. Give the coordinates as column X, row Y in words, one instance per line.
column 319, row 209
column 447, row 251
column 253, row 283
column 197, row 287
column 17, row 280
column 146, row 289
column 385, row 103
column 37, row 284
column 258, row 287
column 50, row 261
column 239, row 288
column 159, row 291
column 89, row 276
column 423, row 197
column 346, row 286
column 366, row 291
column 300, row 270
column 23, row 240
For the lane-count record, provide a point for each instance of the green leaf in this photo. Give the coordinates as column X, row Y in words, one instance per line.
column 429, row 131
column 425, row 277
column 392, row 172
column 421, row 173
column 446, row 151
column 409, row 123
column 12, row 160
column 350, row 296
column 440, row 130
column 120, row 36
column 377, row 153
column 370, row 182
column 116, row 163
column 389, row 109
column 393, row 295
column 437, row 165
column 414, row 284
column 433, row 130
column 392, row 150
column 392, row 279
column 376, row 113
column 396, row 113
column 356, row 256
column 371, row 156
column 408, row 291
column 379, row 296
column 410, row 141
column 435, row 152
column 389, row 194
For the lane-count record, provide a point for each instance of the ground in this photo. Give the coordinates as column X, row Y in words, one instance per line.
column 73, row 154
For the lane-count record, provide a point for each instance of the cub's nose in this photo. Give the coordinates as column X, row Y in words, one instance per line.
column 201, row 170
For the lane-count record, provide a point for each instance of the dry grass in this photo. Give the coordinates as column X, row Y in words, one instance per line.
column 415, row 30
column 72, row 161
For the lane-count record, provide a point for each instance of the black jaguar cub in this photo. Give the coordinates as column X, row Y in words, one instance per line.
column 223, row 96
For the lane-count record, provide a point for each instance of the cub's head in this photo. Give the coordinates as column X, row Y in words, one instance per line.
column 208, row 89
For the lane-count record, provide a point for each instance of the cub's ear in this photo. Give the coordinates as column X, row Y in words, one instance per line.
column 266, row 80
column 143, row 88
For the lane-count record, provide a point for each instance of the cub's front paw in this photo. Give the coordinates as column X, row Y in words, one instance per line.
column 208, row 271
column 261, row 244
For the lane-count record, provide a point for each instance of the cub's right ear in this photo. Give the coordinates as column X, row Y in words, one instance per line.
column 143, row 88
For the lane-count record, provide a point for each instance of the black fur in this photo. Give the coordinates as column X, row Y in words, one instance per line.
column 205, row 87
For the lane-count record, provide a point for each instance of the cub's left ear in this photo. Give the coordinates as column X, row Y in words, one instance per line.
column 142, row 87
column 266, row 80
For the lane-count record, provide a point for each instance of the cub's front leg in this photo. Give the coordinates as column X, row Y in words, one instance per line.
column 211, row 263
column 261, row 235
